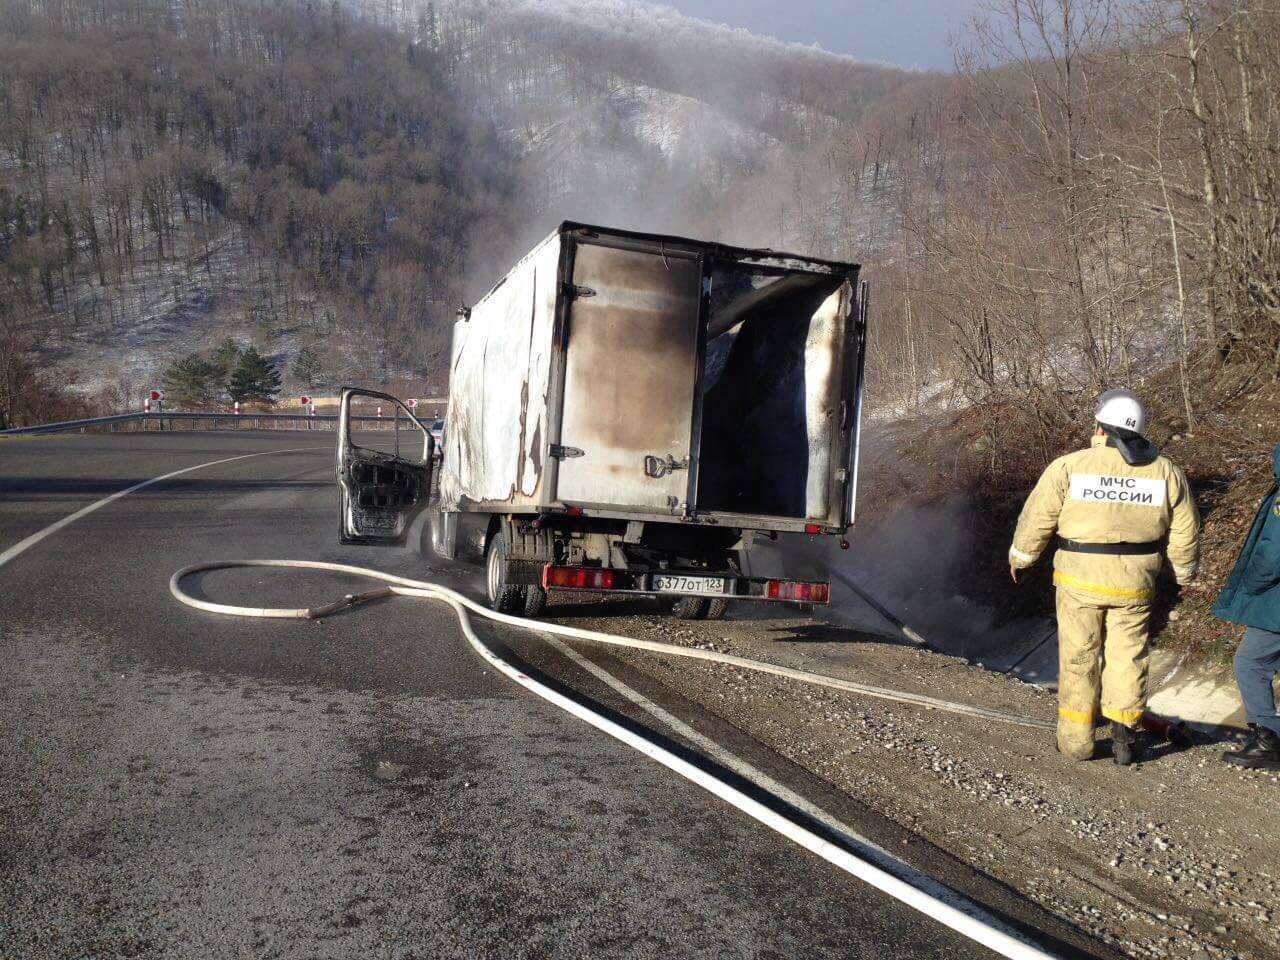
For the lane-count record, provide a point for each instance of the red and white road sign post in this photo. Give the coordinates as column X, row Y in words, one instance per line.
column 305, row 401
column 413, row 405
column 155, row 397
column 237, row 407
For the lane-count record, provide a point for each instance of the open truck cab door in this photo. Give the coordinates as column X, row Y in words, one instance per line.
column 380, row 492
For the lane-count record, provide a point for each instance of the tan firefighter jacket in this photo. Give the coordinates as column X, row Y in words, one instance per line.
column 1093, row 496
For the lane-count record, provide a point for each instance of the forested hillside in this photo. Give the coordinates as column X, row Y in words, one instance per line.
column 171, row 173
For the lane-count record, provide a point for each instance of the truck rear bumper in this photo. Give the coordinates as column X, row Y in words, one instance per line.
column 723, row 584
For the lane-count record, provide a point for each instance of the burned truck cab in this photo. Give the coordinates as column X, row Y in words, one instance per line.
column 628, row 412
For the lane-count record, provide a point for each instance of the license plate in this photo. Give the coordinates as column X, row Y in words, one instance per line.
column 698, row 586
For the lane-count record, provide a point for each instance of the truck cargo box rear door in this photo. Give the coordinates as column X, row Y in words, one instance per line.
column 631, row 366
column 780, row 396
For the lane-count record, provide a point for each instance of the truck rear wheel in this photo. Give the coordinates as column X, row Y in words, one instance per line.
column 697, row 608
column 535, row 601
column 689, row 608
column 504, row 597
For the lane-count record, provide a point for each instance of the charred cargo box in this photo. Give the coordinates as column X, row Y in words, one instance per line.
column 627, row 410
column 658, row 378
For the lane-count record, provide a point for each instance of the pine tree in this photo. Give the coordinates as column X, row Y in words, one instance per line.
column 255, row 379
column 192, row 381
column 226, row 356
column 306, row 367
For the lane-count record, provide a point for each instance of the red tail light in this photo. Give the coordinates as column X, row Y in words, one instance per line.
column 799, row 592
column 812, row 528
column 577, row 578
column 573, row 511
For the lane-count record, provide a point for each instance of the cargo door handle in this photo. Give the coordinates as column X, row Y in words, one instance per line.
column 658, row 467
column 556, row 452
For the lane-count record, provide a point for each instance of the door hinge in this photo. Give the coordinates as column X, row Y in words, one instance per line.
column 572, row 291
column 556, row 452
column 658, row 467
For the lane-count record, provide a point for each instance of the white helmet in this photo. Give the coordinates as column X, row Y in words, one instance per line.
column 1123, row 410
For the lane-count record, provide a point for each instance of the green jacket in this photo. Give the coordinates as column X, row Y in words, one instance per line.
column 1252, row 594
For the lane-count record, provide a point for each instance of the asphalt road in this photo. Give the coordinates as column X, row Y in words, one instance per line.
column 173, row 783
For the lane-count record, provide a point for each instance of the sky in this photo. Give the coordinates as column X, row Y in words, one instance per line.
column 909, row 33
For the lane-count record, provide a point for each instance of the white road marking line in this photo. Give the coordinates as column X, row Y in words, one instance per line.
column 865, row 846
column 23, row 545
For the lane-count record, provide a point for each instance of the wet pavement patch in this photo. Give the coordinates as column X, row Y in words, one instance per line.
column 407, row 762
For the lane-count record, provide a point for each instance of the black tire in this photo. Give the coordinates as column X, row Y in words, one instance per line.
column 689, row 608
column 535, row 601
column 503, row 596
column 716, row 608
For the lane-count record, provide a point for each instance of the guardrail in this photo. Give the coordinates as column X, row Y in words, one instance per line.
column 216, row 421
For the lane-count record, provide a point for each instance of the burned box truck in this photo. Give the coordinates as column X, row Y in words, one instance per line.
column 628, row 413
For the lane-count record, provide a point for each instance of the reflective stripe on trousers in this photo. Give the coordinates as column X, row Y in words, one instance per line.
column 1120, row 594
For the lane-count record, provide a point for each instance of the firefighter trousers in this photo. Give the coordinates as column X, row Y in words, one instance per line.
column 1103, row 654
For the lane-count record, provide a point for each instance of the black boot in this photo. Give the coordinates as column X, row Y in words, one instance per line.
column 1126, row 744
column 1260, row 752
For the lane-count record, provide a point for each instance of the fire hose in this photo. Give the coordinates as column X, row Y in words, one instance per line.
column 970, row 922
column 405, row 587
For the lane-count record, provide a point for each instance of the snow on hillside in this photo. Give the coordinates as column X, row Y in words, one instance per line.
column 129, row 334
column 632, row 113
column 658, row 24
column 535, row 57
column 682, row 126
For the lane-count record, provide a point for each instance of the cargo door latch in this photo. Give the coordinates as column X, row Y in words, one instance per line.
column 576, row 291
column 658, row 467
column 557, row 452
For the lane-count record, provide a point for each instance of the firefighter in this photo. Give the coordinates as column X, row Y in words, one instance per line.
column 1252, row 597
column 1115, row 508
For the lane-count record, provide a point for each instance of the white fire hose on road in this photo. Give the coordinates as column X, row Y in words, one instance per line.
column 986, row 931
column 404, row 587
